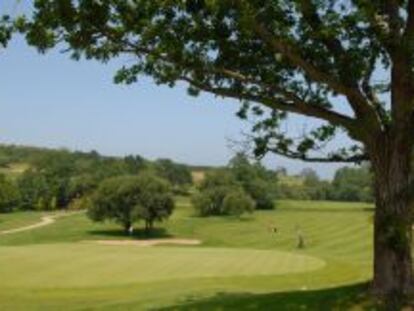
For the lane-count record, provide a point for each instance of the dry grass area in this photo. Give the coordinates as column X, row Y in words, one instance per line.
column 198, row 176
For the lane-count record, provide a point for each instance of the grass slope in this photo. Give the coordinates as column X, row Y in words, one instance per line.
column 19, row 219
column 242, row 265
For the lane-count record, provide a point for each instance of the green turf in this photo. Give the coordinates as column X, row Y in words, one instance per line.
column 58, row 266
column 241, row 265
column 19, row 219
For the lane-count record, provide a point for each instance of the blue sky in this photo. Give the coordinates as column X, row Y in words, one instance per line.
column 50, row 100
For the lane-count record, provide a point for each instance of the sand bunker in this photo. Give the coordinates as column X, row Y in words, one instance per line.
column 152, row 242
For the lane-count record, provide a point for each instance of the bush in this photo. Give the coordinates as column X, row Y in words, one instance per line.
column 258, row 182
column 209, row 202
column 178, row 175
column 262, row 194
column 217, row 194
column 238, row 202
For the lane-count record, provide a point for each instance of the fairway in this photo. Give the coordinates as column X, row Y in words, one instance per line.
column 60, row 266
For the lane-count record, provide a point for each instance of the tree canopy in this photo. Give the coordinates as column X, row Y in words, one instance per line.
column 178, row 175
column 301, row 51
column 128, row 199
column 5, row 30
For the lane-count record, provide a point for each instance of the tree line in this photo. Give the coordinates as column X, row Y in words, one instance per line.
column 349, row 184
column 60, row 179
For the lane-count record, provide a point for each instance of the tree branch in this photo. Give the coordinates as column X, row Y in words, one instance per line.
column 298, row 106
column 329, row 159
column 358, row 102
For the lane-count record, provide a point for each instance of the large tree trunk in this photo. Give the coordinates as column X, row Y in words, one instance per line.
column 393, row 221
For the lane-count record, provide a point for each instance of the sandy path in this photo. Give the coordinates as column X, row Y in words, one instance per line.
column 44, row 221
column 151, row 242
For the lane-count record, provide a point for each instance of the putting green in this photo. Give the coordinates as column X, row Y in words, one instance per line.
column 87, row 265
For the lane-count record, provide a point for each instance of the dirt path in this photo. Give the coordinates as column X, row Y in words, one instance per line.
column 44, row 221
column 152, row 242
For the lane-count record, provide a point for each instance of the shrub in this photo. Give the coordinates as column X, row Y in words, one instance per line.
column 238, row 202
column 218, row 196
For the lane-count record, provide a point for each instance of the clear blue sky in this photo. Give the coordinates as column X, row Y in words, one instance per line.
column 50, row 100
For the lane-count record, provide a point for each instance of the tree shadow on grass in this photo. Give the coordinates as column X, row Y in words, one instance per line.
column 140, row 234
column 354, row 297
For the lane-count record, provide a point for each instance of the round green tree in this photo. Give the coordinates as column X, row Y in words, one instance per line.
column 128, row 199
column 156, row 201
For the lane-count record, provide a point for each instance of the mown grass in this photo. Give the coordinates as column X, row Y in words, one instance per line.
column 234, row 252
column 19, row 219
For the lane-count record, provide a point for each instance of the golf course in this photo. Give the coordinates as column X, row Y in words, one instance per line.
column 240, row 263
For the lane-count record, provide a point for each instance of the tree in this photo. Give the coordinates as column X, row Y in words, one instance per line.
column 127, row 199
column 256, row 180
column 34, row 191
column 262, row 192
column 314, row 187
column 352, row 184
column 221, row 193
column 5, row 30
column 318, row 59
column 81, row 185
column 135, row 164
column 156, row 201
column 281, row 171
column 309, row 176
column 208, row 200
column 57, row 168
column 178, row 175
column 9, row 195
column 238, row 202
column 115, row 199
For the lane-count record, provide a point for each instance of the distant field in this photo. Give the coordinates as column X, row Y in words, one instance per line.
column 290, row 180
column 198, row 176
column 240, row 265
column 14, row 169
